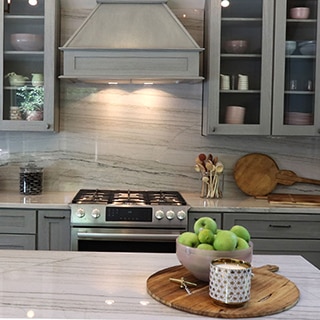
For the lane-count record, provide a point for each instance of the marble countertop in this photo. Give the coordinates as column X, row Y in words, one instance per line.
column 93, row 285
column 61, row 200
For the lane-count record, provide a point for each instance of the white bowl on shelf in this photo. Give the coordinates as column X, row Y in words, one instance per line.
column 27, row 41
column 299, row 13
column 307, row 47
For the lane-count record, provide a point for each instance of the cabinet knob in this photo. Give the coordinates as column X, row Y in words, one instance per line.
column 213, row 129
column 48, row 126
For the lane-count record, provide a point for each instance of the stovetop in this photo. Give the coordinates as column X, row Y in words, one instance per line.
column 128, row 197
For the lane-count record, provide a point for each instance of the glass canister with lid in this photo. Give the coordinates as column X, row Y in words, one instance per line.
column 31, row 178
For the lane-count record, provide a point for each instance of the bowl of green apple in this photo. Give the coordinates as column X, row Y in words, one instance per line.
column 195, row 250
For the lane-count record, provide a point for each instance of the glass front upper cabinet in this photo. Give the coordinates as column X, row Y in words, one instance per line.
column 239, row 52
column 29, row 29
column 296, row 98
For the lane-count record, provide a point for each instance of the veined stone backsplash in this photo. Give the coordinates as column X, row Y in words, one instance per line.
column 137, row 137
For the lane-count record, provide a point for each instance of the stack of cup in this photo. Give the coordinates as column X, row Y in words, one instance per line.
column 224, row 82
column 235, row 115
column 243, row 82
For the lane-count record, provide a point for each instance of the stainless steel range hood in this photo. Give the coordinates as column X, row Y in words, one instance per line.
column 132, row 41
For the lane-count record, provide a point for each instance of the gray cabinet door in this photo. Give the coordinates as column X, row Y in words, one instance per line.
column 19, row 96
column 16, row 221
column 17, row 241
column 296, row 96
column 251, row 21
column 54, row 230
column 281, row 233
column 18, row 229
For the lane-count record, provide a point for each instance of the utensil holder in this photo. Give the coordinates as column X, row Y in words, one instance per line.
column 212, row 186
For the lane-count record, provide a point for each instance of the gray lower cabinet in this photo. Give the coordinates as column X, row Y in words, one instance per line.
column 32, row 229
column 54, row 230
column 273, row 233
column 281, row 233
column 18, row 229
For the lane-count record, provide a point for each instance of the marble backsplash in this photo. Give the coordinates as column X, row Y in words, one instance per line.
column 139, row 137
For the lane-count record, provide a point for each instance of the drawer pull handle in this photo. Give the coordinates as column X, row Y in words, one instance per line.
column 60, row 218
column 279, row 226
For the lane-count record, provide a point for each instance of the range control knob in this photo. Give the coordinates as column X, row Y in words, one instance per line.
column 95, row 213
column 170, row 214
column 181, row 215
column 159, row 214
column 80, row 213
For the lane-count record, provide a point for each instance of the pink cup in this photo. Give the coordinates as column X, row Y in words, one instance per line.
column 235, row 115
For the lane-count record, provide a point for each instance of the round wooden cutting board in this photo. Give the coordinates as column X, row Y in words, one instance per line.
column 270, row 293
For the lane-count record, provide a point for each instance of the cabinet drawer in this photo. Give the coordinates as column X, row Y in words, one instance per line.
column 17, row 221
column 309, row 249
column 281, row 226
column 17, row 242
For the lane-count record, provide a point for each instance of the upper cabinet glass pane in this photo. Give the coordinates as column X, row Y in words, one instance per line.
column 23, row 65
column 240, row 66
column 300, row 63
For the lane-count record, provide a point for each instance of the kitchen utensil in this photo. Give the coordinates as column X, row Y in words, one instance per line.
column 299, row 13
column 235, row 115
column 16, row 80
column 236, row 46
column 257, row 174
column 224, row 82
column 270, row 293
column 27, row 41
column 37, row 79
column 308, row 47
column 290, row 47
column 243, row 82
column 293, row 199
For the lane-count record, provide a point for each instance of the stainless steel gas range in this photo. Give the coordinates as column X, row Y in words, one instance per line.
column 131, row 221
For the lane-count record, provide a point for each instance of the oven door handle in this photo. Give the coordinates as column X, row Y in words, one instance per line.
column 127, row 236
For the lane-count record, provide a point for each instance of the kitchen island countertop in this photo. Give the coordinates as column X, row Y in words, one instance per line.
column 92, row 285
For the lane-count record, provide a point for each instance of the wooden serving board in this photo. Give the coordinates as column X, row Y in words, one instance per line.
column 294, row 199
column 270, row 293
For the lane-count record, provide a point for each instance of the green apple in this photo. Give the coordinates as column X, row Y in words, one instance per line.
column 205, row 246
column 225, row 241
column 206, row 236
column 242, row 244
column 189, row 239
column 241, row 232
column 205, row 223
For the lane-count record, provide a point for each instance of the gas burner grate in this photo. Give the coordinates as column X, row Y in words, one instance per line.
column 120, row 197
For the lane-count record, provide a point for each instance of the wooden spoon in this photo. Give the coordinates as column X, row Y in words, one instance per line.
column 257, row 174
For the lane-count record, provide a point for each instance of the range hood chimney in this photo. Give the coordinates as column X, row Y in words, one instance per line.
column 132, row 41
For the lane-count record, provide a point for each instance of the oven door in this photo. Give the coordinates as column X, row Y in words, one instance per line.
column 124, row 240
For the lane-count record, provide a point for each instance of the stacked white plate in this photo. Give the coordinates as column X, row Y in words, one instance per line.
column 298, row 118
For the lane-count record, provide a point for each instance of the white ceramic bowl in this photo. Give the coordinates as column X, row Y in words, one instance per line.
column 26, row 41
column 299, row 13
column 290, row 47
column 307, row 47
column 236, row 46
column 197, row 261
